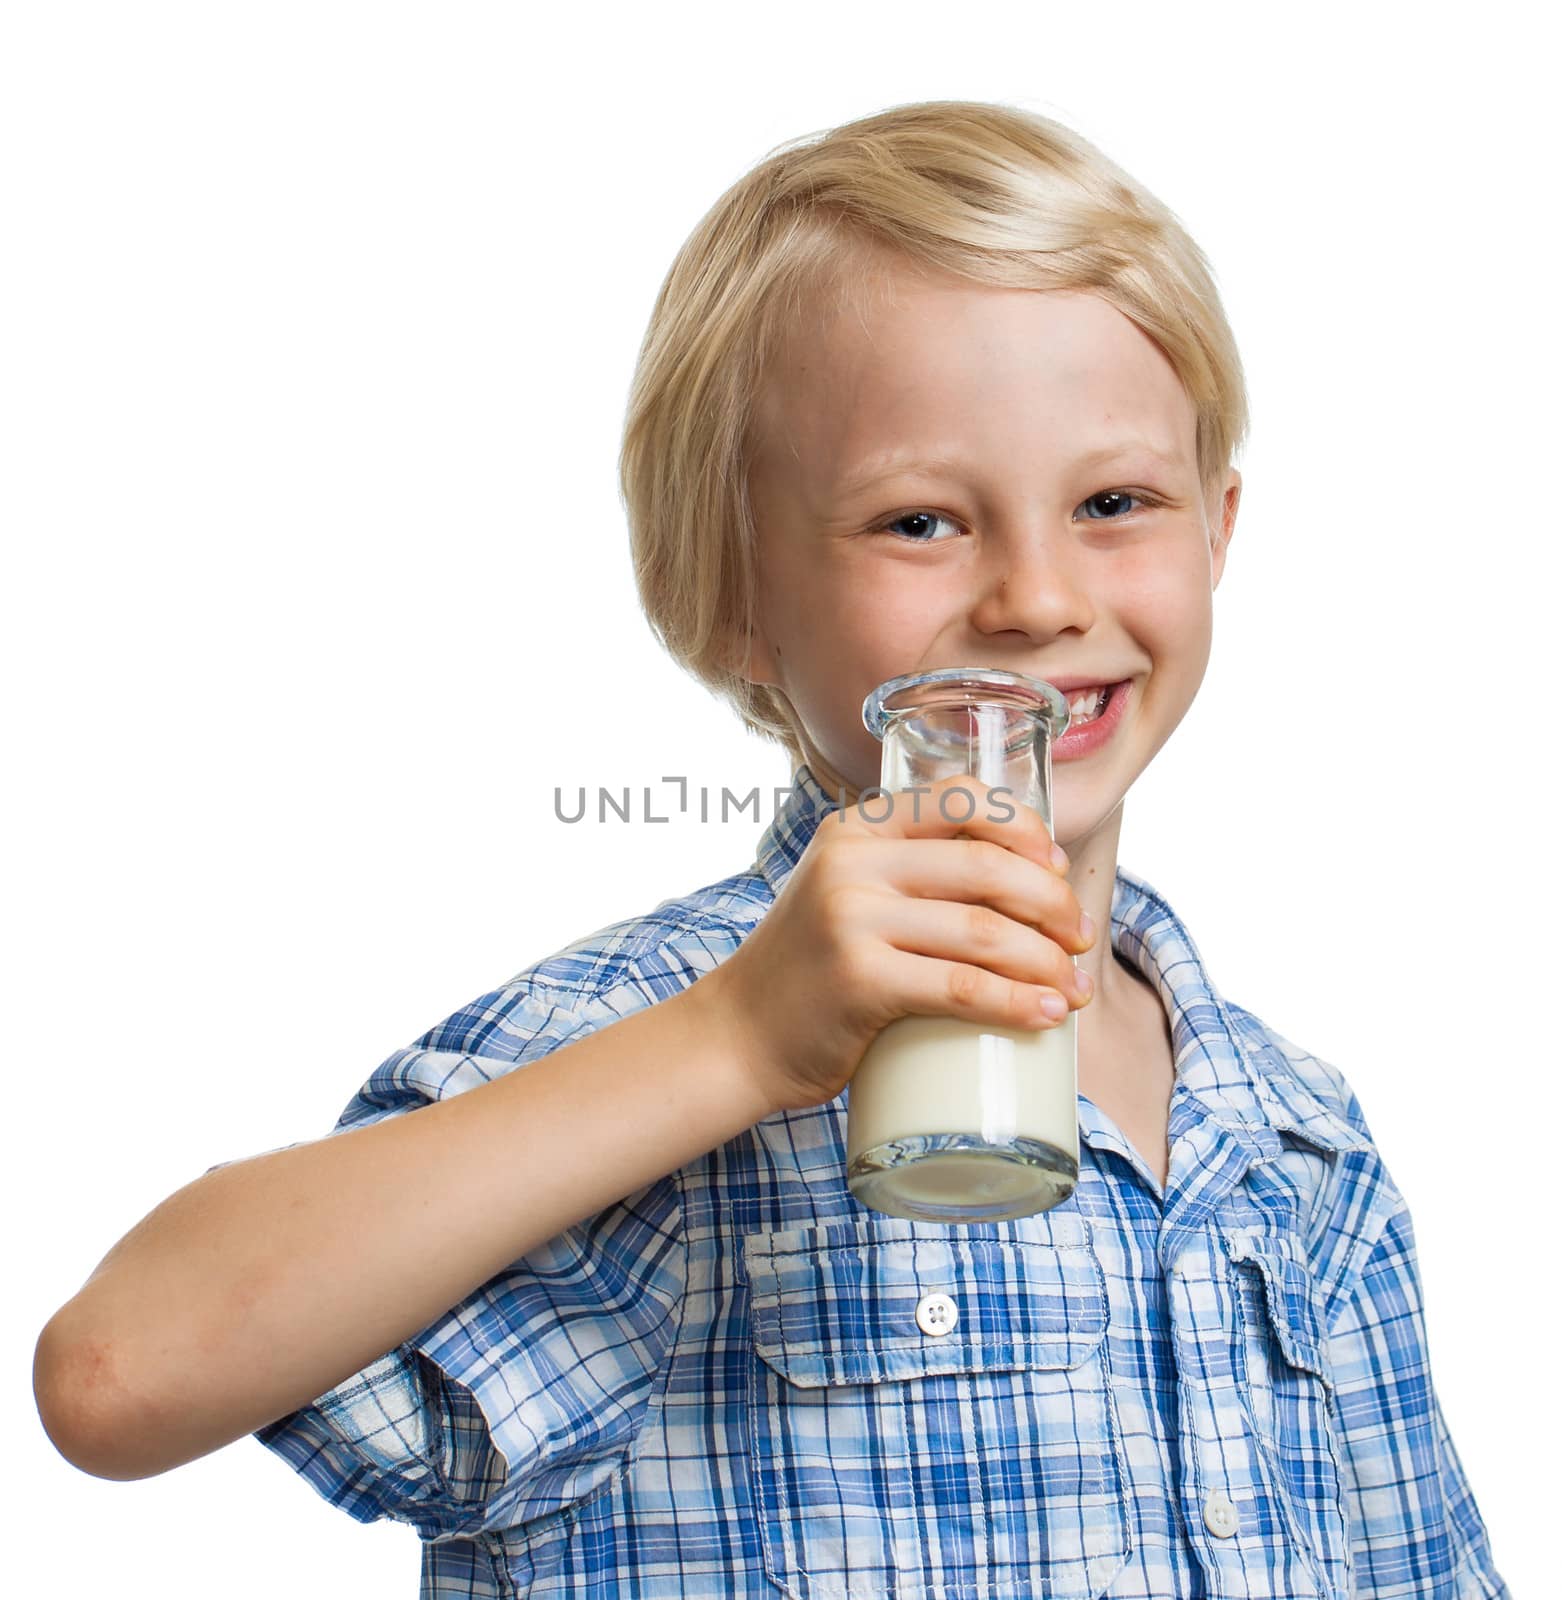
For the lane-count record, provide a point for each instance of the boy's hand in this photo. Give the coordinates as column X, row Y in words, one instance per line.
column 911, row 915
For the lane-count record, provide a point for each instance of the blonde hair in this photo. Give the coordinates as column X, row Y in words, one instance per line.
column 991, row 193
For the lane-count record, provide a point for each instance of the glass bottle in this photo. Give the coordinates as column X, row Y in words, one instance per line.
column 950, row 1120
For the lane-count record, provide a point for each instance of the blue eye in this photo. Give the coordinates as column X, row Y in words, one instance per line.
column 1111, row 495
column 922, row 520
column 920, row 527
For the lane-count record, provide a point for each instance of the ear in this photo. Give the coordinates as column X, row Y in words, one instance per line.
column 1224, row 525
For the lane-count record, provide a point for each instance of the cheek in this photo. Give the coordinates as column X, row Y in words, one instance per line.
column 1169, row 596
column 848, row 610
column 1175, row 626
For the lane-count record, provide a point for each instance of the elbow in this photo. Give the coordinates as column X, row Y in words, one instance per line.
column 79, row 1397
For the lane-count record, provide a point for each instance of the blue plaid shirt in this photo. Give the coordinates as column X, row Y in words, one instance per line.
column 719, row 1387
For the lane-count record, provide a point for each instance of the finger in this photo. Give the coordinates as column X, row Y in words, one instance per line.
column 960, row 804
column 978, row 871
column 927, row 986
column 979, row 936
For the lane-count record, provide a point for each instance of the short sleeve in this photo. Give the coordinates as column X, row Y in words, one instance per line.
column 530, row 1393
column 1414, row 1525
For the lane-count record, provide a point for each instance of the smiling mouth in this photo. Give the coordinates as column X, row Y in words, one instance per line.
column 1085, row 705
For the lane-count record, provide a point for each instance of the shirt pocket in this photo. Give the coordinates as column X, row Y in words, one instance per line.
column 929, row 1413
column 1290, row 1389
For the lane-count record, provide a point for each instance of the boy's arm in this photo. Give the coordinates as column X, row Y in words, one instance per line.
column 1413, row 1521
column 267, row 1282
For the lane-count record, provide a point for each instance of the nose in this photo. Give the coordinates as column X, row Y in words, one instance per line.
column 1032, row 587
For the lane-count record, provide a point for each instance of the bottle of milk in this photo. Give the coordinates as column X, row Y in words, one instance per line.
column 949, row 1120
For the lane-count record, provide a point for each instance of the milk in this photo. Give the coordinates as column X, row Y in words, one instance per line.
column 924, row 1078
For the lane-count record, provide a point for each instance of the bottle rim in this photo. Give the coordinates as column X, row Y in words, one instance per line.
column 916, row 691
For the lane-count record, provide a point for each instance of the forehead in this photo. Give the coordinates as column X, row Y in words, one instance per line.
column 896, row 359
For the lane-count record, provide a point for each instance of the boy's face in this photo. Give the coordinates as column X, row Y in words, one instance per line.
column 923, row 498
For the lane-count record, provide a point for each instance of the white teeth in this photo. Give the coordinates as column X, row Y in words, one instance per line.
column 1087, row 705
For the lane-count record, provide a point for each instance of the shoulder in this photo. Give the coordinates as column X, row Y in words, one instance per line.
column 594, row 980
column 1288, row 1066
column 1354, row 1200
column 658, row 951
column 609, row 972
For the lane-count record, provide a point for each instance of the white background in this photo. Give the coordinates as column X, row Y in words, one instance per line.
column 318, row 323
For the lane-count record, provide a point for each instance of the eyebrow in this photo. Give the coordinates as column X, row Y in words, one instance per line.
column 878, row 468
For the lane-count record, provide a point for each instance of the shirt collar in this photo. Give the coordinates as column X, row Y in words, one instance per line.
column 1233, row 1067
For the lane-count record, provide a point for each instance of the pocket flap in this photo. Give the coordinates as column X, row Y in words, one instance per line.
column 836, row 1303
column 1289, row 1295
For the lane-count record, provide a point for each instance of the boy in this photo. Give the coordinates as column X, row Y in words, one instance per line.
column 943, row 388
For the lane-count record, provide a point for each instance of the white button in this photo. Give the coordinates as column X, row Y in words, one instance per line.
column 1220, row 1516
column 937, row 1313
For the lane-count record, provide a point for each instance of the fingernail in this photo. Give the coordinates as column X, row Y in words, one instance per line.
column 1083, row 983
column 1054, row 1005
column 1087, row 929
column 1059, row 858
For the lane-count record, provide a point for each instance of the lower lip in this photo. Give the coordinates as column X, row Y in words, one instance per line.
column 1083, row 739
